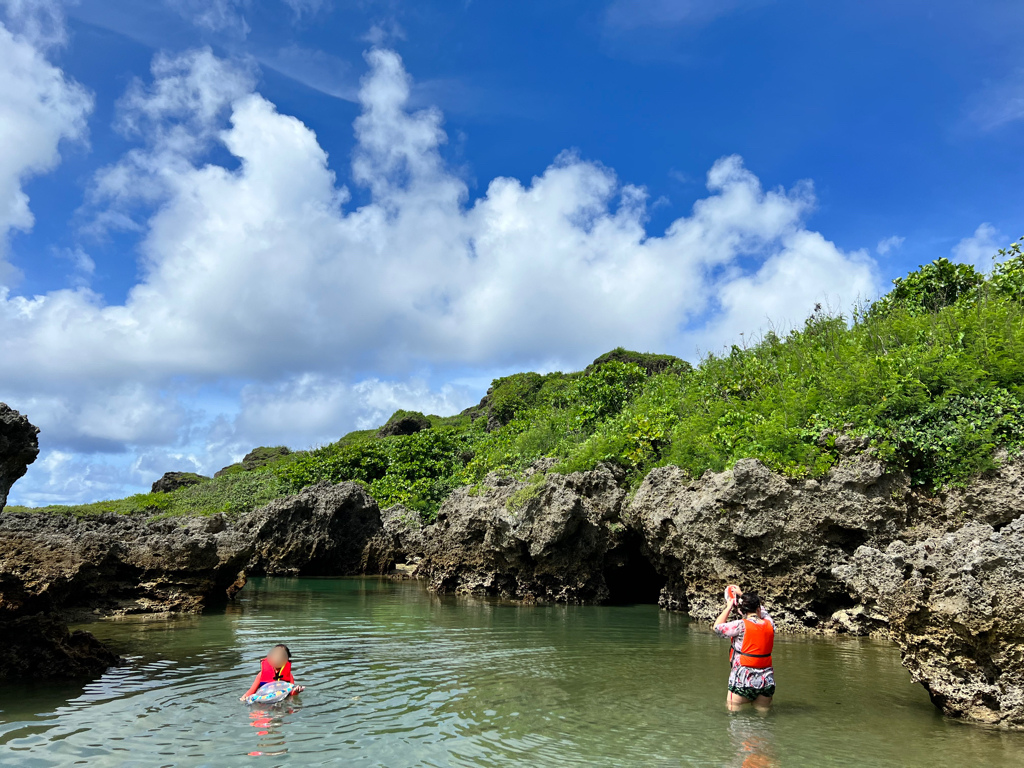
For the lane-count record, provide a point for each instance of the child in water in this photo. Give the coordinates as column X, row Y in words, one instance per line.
column 752, row 678
column 276, row 667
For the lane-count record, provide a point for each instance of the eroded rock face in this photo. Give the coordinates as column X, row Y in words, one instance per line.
column 753, row 527
column 19, row 447
column 953, row 603
column 321, row 531
column 525, row 541
column 55, row 568
column 113, row 564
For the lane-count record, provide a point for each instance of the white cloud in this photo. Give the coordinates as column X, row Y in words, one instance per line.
column 890, row 243
column 261, row 282
column 305, row 7
column 315, row 69
column 980, row 248
column 41, row 22
column 39, row 108
column 312, row 409
column 214, row 15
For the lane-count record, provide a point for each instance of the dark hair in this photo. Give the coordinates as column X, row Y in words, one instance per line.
column 750, row 602
column 286, row 651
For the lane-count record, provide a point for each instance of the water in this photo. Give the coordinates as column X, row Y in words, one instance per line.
column 398, row 677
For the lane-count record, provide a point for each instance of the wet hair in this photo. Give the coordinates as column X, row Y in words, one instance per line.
column 750, row 602
column 284, row 647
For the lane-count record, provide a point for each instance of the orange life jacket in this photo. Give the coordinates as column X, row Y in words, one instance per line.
column 268, row 674
column 758, row 639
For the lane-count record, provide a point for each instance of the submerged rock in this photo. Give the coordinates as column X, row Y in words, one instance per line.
column 19, row 447
column 953, row 603
column 40, row 647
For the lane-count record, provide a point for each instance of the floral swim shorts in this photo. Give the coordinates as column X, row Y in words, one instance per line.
column 750, row 682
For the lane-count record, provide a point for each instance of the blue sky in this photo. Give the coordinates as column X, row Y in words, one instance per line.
column 230, row 223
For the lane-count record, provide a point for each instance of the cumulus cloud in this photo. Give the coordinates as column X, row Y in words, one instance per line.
column 39, row 108
column 980, row 248
column 261, row 281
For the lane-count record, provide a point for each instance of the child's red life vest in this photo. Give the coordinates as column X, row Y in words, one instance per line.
column 268, row 674
column 758, row 639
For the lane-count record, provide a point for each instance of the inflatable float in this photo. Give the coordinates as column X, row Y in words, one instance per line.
column 271, row 692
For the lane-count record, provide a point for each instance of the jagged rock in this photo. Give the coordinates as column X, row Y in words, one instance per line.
column 172, row 481
column 400, row 541
column 115, row 564
column 528, row 541
column 754, row 527
column 321, row 531
column 19, row 447
column 953, row 603
column 404, row 423
column 56, row 567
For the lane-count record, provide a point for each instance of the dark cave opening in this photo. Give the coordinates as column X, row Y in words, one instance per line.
column 630, row 577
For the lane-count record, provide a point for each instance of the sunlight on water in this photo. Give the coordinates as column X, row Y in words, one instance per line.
column 398, row 677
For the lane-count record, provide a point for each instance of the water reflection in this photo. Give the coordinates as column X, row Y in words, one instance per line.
column 267, row 721
column 752, row 737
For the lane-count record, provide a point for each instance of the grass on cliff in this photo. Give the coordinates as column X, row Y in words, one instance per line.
column 234, row 493
column 932, row 374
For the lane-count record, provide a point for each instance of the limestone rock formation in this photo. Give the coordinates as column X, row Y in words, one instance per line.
column 754, row 527
column 116, row 564
column 19, row 447
column 551, row 540
column 953, row 603
column 172, row 481
column 56, row 568
column 321, row 531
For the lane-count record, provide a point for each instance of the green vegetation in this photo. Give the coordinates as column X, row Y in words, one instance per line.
column 932, row 374
column 231, row 494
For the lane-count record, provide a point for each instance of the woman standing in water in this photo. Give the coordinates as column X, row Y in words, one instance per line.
column 752, row 679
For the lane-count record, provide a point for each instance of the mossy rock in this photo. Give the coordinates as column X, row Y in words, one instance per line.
column 172, row 481
column 404, row 423
column 649, row 361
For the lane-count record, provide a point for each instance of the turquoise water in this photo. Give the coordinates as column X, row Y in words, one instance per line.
column 398, row 677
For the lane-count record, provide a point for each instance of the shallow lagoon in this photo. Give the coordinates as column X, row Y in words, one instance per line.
column 399, row 677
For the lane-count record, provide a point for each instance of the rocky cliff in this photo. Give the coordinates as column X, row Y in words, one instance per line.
column 19, row 446
column 55, row 568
